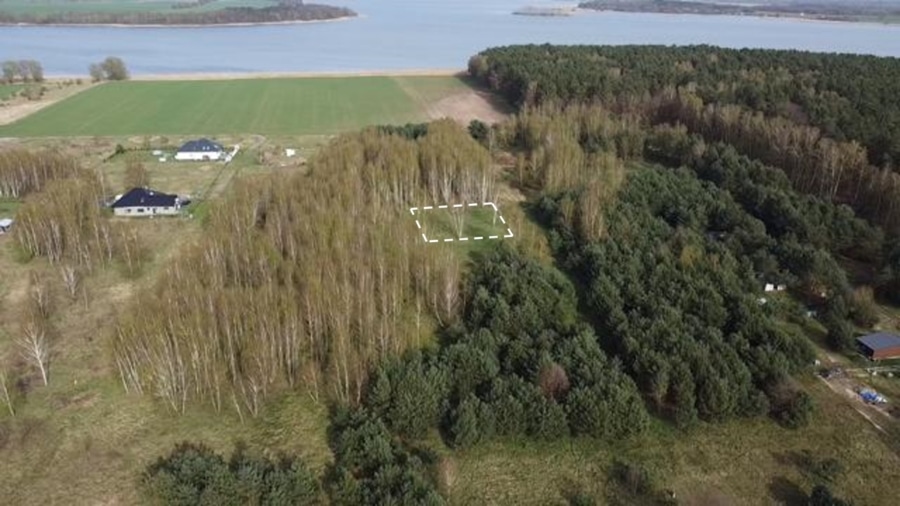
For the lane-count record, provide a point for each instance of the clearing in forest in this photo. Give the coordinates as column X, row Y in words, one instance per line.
column 467, row 222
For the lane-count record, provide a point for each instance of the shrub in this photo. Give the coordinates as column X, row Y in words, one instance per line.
column 194, row 474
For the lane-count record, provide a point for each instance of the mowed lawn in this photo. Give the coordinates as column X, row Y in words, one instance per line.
column 261, row 106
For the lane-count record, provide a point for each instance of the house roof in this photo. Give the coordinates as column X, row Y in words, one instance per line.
column 201, row 146
column 137, row 197
column 5, row 222
column 880, row 341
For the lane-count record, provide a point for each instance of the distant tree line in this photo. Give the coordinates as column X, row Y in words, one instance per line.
column 818, row 117
column 284, row 11
column 848, row 97
column 26, row 71
column 833, row 11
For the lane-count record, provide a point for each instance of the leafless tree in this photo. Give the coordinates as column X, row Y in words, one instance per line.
column 35, row 346
column 5, row 394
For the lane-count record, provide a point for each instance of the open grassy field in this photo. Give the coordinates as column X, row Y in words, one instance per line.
column 44, row 7
column 262, row 106
column 267, row 106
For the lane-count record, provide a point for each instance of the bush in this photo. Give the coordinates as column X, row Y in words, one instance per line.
column 863, row 309
column 408, row 394
column 473, row 422
column 193, row 474
column 795, row 411
column 822, row 496
column 372, row 468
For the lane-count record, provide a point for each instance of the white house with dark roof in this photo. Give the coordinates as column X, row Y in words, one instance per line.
column 200, row 150
column 146, row 202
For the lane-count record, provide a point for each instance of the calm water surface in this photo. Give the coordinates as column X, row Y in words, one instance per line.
column 410, row 34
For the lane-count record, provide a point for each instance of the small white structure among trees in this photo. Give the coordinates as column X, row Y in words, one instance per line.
column 200, row 150
column 146, row 202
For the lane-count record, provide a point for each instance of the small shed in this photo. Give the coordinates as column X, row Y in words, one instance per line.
column 880, row 345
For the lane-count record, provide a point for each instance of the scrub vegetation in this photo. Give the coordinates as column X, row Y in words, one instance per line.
column 621, row 349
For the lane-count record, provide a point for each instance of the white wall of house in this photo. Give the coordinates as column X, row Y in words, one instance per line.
column 137, row 211
column 197, row 156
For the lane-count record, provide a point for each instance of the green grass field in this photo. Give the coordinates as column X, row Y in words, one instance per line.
column 261, row 106
column 8, row 90
column 471, row 223
column 8, row 207
column 45, row 7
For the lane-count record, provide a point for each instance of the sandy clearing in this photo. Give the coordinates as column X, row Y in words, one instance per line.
column 462, row 106
column 467, row 106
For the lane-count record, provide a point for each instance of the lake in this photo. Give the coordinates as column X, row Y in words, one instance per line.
column 414, row 34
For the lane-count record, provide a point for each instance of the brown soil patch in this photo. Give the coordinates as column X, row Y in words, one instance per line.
column 467, row 106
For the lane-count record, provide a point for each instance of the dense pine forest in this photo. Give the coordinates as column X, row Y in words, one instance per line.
column 667, row 187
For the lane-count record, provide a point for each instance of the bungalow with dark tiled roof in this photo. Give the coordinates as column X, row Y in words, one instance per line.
column 200, row 150
column 146, row 202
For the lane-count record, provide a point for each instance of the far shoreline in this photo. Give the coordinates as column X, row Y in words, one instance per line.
column 193, row 25
column 802, row 19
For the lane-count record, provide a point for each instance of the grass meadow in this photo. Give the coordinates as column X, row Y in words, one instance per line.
column 743, row 462
column 466, row 222
column 9, row 90
column 279, row 106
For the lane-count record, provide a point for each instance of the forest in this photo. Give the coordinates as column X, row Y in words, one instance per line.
column 663, row 188
column 283, row 11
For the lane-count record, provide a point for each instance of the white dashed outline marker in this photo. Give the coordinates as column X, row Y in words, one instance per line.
column 425, row 238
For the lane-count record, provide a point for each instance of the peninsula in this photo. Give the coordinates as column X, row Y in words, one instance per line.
column 168, row 13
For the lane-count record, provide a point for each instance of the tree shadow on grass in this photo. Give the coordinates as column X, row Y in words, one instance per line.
column 786, row 492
